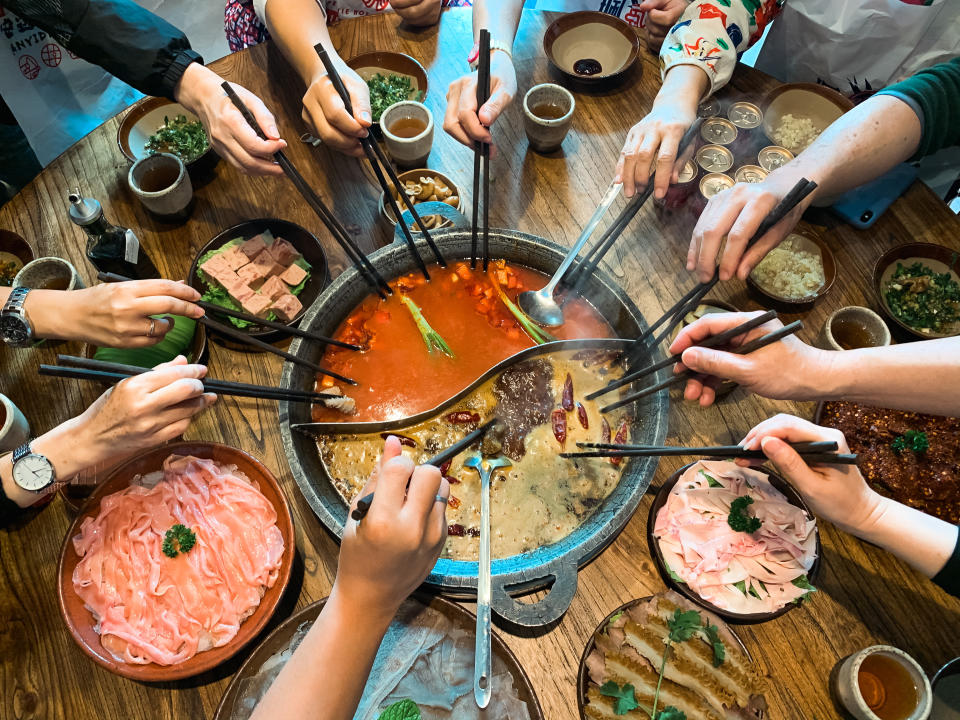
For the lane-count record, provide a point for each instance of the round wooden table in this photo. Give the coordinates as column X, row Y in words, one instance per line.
column 865, row 595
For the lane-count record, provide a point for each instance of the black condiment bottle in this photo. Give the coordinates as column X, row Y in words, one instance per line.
column 111, row 248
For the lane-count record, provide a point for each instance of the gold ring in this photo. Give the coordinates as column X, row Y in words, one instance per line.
column 153, row 327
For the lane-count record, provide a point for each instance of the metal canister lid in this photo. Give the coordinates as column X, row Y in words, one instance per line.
column 714, row 158
column 709, row 108
column 714, row 183
column 745, row 115
column 773, row 156
column 718, row 131
column 750, row 174
column 687, row 173
column 83, row 211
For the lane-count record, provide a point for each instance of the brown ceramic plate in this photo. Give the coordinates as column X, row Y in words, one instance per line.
column 386, row 212
column 822, row 105
column 591, row 35
column 12, row 243
column 369, row 64
column 80, row 621
column 144, row 119
column 280, row 637
column 583, row 674
column 740, row 619
column 790, row 305
column 936, row 257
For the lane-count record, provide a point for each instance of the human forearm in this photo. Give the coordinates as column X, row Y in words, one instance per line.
column 500, row 17
column 324, row 679
column 297, row 26
column 683, row 86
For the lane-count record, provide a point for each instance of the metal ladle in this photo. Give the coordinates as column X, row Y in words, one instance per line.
column 482, row 663
column 539, row 305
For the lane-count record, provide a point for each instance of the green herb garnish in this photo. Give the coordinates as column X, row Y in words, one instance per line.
column 915, row 440
column 671, row 713
column 682, row 626
column 925, row 300
column 626, row 699
column 402, row 710
column 738, row 518
column 179, row 539
column 387, row 90
column 184, row 138
column 536, row 333
column 431, row 337
column 711, row 481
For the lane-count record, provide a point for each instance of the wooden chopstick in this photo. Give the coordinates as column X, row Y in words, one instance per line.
column 810, row 458
column 376, row 157
column 796, row 195
column 819, row 446
column 363, row 504
column 339, row 233
column 481, row 158
column 744, row 349
column 211, row 383
column 721, row 338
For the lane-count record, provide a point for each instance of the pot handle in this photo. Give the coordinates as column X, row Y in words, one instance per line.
column 435, row 207
column 551, row 608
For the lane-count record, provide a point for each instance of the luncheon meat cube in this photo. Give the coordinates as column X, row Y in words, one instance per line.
column 293, row 275
column 283, row 252
column 286, row 307
column 253, row 247
column 234, row 258
column 269, row 266
column 252, row 274
column 257, row 304
column 273, row 288
column 241, row 292
column 226, row 278
column 214, row 265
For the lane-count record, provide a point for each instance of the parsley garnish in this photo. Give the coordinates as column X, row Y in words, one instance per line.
column 712, row 634
column 738, row 518
column 179, row 539
column 682, row 626
column 671, row 713
column 915, row 440
column 625, row 698
column 184, row 138
column 402, row 710
column 386, row 90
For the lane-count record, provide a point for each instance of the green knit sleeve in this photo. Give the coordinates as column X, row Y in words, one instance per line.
column 935, row 91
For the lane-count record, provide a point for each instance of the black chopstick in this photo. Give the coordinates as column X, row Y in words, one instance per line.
column 438, row 460
column 481, row 158
column 721, row 338
column 376, row 157
column 588, row 266
column 819, row 446
column 797, row 193
column 810, row 458
column 744, row 349
column 339, row 233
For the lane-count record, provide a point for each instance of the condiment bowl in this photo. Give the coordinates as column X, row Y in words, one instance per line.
column 791, row 305
column 366, row 65
column 936, row 257
column 12, row 243
column 865, row 319
column 738, row 618
column 80, row 622
column 306, row 244
column 591, row 35
column 822, row 105
column 144, row 119
column 386, row 212
column 847, row 686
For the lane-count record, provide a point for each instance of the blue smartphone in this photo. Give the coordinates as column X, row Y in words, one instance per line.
column 863, row 205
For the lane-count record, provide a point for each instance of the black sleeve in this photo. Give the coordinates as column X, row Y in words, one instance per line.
column 949, row 577
column 126, row 40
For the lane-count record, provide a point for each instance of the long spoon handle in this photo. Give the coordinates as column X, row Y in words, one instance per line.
column 482, row 666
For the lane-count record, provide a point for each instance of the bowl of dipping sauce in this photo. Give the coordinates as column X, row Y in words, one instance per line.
column 853, row 327
column 946, row 691
column 795, row 114
column 15, row 252
column 795, row 274
column 391, row 77
column 591, row 47
column 421, row 186
column 882, row 682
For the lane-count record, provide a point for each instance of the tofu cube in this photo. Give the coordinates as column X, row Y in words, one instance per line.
column 252, row 274
column 283, row 252
column 257, row 304
column 253, row 247
column 286, row 307
column 234, row 258
column 273, row 288
column 293, row 275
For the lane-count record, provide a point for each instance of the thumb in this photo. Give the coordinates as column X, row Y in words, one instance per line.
column 786, row 460
column 493, row 107
column 728, row 366
column 264, row 118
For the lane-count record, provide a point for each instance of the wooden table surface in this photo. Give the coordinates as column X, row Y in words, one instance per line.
column 866, row 596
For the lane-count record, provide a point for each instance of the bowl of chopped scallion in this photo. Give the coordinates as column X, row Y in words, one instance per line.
column 391, row 77
column 918, row 289
column 159, row 125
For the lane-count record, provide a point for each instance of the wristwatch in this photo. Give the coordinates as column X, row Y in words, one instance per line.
column 15, row 327
column 474, row 57
column 31, row 471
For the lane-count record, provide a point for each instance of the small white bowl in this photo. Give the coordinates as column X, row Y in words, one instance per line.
column 847, row 683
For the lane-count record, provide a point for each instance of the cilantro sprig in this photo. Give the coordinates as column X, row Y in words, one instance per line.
column 738, row 518
column 915, row 440
column 401, row 710
column 178, row 539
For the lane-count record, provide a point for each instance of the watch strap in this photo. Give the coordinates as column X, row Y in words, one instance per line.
column 13, row 307
column 21, row 451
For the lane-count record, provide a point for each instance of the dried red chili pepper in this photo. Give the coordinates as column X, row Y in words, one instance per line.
column 456, row 530
column 604, row 430
column 582, row 416
column 452, row 479
column 462, row 417
column 445, row 468
column 558, row 418
column 404, row 440
column 620, row 439
column 566, row 401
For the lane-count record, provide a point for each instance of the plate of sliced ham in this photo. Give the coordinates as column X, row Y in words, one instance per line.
column 176, row 561
column 737, row 541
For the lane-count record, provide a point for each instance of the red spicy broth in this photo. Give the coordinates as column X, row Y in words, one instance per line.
column 398, row 377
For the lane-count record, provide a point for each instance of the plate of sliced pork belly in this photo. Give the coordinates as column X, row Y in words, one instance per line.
column 664, row 657
column 272, row 269
column 737, row 541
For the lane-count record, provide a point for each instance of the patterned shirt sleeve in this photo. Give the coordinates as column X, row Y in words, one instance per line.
column 713, row 34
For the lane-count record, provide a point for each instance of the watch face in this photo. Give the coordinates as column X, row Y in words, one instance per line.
column 33, row 472
column 13, row 330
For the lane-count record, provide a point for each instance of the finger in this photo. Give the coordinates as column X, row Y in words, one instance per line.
column 788, row 462
column 162, row 326
column 660, row 17
column 438, row 515
column 175, row 392
column 769, row 241
column 494, row 105
column 712, row 228
column 644, row 158
column 716, row 363
column 421, row 495
column 392, row 486
column 693, row 389
column 666, row 157
column 627, row 163
column 742, row 230
column 649, row 5
column 248, row 140
column 146, row 288
column 263, row 116
column 176, row 362
column 468, row 120
column 336, row 115
column 714, row 324
column 166, row 305
column 162, row 376
column 708, row 395
column 184, row 410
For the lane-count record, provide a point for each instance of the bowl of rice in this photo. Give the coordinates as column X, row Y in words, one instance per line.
column 795, row 274
column 795, row 114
